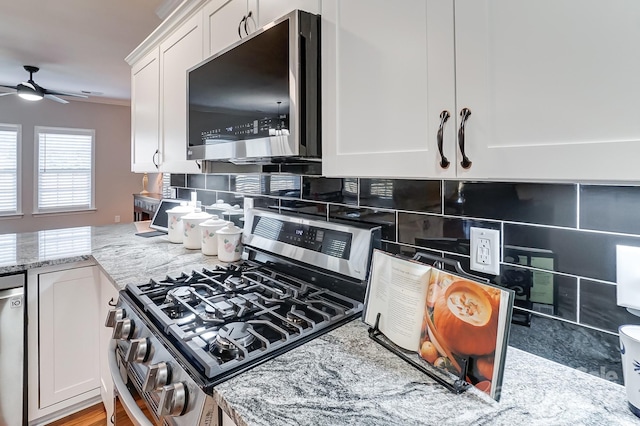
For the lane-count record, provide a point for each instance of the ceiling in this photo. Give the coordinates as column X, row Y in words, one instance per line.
column 79, row 45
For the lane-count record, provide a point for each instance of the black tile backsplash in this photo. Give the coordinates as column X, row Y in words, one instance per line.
column 587, row 254
column 598, row 307
column 248, row 184
column 343, row 191
column 196, row 181
column 438, row 232
column 218, row 182
column 610, row 208
column 548, row 204
column 386, row 219
column 561, row 267
column 178, row 180
column 400, row 194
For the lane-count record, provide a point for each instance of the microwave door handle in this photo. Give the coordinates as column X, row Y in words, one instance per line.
column 133, row 411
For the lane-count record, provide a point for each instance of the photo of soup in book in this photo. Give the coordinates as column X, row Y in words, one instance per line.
column 444, row 317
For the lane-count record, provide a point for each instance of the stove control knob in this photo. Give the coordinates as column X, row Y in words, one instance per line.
column 173, row 400
column 138, row 350
column 123, row 329
column 113, row 316
column 157, row 377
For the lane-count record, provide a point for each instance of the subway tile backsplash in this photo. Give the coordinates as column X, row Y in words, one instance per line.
column 558, row 253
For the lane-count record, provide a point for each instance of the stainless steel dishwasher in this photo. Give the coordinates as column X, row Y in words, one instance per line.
column 12, row 354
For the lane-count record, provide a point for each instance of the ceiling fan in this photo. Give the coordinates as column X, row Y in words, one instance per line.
column 30, row 91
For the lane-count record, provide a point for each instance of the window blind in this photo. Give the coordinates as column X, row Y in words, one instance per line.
column 8, row 169
column 65, row 169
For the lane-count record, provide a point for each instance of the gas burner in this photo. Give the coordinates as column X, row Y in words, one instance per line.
column 235, row 282
column 238, row 332
column 179, row 292
column 296, row 318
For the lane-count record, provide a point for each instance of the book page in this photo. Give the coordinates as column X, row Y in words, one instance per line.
column 397, row 290
column 465, row 319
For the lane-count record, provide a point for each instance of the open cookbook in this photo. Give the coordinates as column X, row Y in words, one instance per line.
column 443, row 317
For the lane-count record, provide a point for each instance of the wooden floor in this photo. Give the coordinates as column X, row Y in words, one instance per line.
column 92, row 416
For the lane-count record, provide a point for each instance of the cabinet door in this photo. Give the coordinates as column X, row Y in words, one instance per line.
column 222, row 23
column 181, row 51
column 145, row 90
column 270, row 10
column 387, row 74
column 108, row 296
column 553, row 87
column 69, row 343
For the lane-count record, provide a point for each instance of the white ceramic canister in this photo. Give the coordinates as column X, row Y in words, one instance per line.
column 174, row 226
column 229, row 243
column 192, row 235
column 630, row 352
column 208, row 230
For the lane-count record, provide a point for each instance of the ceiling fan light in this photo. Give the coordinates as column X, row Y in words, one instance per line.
column 30, row 96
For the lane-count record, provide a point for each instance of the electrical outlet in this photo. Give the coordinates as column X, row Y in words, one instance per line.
column 117, row 219
column 485, row 250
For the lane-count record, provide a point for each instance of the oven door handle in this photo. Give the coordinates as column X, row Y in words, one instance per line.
column 128, row 403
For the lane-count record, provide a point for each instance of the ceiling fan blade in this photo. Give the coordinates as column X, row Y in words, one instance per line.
column 8, row 93
column 75, row 95
column 55, row 98
column 9, row 87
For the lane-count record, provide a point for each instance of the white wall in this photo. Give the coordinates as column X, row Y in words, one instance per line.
column 114, row 181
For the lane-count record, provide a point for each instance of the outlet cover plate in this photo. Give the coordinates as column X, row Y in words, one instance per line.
column 485, row 250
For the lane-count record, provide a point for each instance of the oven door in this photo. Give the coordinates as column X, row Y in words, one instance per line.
column 130, row 408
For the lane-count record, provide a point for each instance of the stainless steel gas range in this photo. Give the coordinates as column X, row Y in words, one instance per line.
column 176, row 338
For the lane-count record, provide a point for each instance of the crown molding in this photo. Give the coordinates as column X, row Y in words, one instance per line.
column 178, row 16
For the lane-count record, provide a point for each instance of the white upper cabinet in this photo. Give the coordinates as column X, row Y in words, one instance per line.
column 145, row 98
column 179, row 52
column 270, row 10
column 159, row 96
column 552, row 86
column 226, row 22
column 387, row 76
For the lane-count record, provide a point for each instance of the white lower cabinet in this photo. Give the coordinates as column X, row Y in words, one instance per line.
column 63, row 340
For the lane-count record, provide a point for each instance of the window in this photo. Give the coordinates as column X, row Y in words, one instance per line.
column 9, row 168
column 64, row 159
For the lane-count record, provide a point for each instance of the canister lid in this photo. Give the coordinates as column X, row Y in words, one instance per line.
column 181, row 209
column 197, row 215
column 230, row 229
column 214, row 222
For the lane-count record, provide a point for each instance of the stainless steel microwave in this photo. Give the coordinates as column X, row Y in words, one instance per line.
column 258, row 101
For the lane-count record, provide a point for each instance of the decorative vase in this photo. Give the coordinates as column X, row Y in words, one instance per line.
column 145, row 182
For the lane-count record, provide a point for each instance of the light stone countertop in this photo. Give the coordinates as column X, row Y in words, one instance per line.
column 342, row 377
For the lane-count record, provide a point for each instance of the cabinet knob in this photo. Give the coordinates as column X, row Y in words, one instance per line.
column 464, row 115
column 138, row 350
column 444, row 116
column 173, row 400
column 157, row 376
column 123, row 329
column 113, row 316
